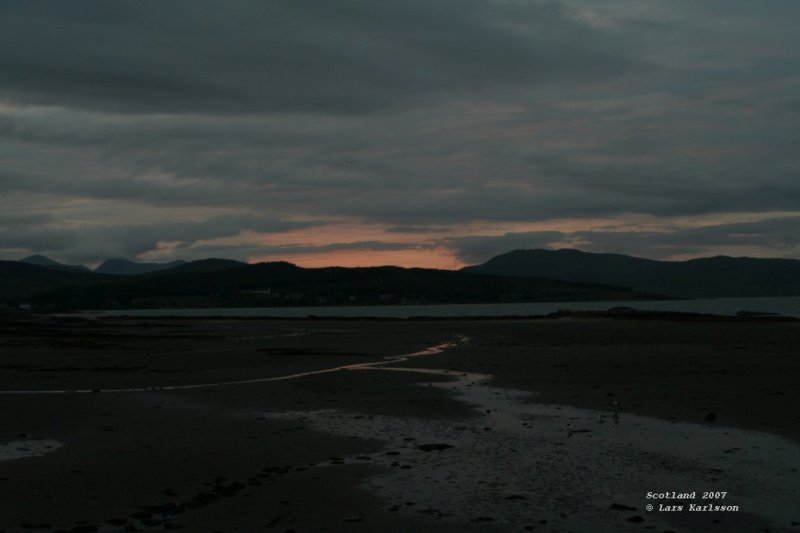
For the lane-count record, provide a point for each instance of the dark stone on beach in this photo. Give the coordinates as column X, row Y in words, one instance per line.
column 636, row 518
column 483, row 519
column 620, row 507
column 117, row 521
column 515, row 497
column 711, row 417
column 392, row 453
column 353, row 519
column 434, row 447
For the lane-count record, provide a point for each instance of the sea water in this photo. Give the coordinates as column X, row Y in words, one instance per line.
column 788, row 306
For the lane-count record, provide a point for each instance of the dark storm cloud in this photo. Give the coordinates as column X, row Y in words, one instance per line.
column 245, row 251
column 779, row 234
column 91, row 243
column 416, row 229
column 335, row 56
column 15, row 220
column 420, row 117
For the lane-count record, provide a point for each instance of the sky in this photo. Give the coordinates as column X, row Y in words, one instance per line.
column 431, row 133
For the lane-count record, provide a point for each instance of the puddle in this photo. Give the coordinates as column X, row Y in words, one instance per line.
column 19, row 449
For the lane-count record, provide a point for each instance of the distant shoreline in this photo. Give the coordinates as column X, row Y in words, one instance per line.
column 724, row 307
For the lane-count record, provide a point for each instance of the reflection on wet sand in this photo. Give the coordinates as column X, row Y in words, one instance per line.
column 575, row 466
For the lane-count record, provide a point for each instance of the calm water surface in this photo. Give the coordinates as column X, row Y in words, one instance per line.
column 789, row 306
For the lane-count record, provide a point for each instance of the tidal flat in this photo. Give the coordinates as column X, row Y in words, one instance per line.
column 135, row 424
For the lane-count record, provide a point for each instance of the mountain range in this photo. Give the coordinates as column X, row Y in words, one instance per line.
column 705, row 277
column 119, row 267
column 518, row 276
column 226, row 283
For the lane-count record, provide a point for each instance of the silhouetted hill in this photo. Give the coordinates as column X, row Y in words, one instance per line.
column 712, row 277
column 280, row 284
column 20, row 281
column 41, row 260
column 123, row 267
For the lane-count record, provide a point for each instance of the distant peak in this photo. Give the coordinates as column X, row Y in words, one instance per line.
column 38, row 259
column 41, row 260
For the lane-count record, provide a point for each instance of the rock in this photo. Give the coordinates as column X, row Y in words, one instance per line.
column 620, row 507
column 636, row 519
column 711, row 417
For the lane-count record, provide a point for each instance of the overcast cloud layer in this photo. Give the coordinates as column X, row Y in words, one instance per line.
column 416, row 132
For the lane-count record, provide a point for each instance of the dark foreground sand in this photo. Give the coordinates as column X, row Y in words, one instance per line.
column 554, row 425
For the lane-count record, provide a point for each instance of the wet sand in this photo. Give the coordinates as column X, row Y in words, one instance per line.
column 517, row 425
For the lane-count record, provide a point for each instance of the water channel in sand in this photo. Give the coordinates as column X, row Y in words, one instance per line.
column 438, row 348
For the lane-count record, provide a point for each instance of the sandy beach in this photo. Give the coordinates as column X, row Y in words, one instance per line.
column 399, row 425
